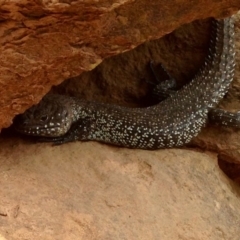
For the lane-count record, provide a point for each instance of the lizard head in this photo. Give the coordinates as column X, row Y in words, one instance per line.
column 52, row 117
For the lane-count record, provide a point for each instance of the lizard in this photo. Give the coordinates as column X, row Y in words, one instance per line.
column 172, row 122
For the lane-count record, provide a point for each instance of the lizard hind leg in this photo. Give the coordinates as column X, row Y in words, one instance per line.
column 162, row 89
column 225, row 118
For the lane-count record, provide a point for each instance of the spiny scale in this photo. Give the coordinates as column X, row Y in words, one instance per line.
column 172, row 122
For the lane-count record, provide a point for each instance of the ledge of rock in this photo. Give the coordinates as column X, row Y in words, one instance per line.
column 44, row 42
column 72, row 192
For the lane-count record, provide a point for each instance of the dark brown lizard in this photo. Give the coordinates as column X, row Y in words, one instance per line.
column 172, row 122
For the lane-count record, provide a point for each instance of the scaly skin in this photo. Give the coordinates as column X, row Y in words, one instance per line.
column 172, row 122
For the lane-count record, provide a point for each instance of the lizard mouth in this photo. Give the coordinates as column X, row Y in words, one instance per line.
column 46, row 131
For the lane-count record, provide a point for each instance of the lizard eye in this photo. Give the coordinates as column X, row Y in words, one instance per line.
column 44, row 118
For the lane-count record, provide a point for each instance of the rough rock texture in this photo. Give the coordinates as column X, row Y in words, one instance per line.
column 44, row 42
column 73, row 192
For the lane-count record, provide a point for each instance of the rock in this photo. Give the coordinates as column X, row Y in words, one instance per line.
column 44, row 42
column 73, row 192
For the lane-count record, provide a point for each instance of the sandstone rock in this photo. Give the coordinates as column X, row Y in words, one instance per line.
column 73, row 192
column 44, row 42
